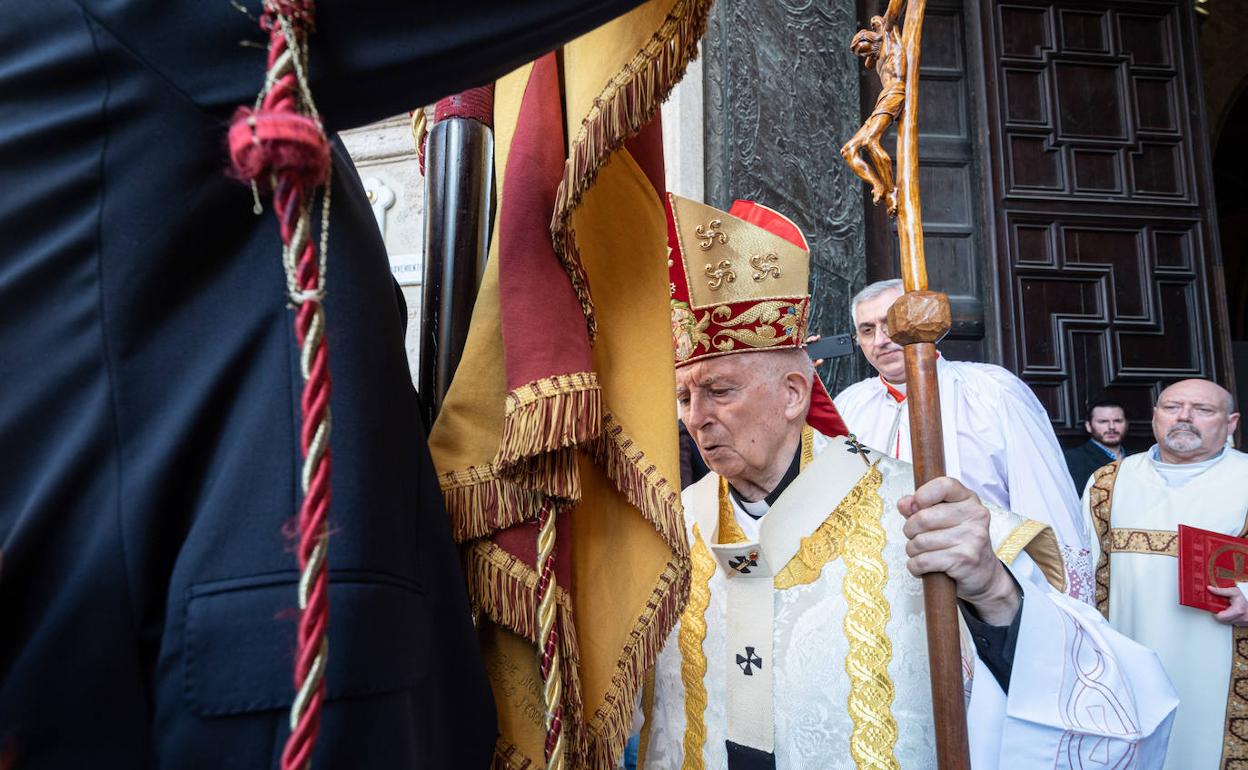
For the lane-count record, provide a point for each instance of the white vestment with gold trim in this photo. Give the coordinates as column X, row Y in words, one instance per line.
column 999, row 442
column 830, row 671
column 1142, row 578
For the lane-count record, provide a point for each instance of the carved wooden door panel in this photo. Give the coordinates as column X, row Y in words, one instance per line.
column 1099, row 184
column 952, row 162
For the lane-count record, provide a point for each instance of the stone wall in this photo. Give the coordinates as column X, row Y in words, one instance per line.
column 781, row 97
column 385, row 158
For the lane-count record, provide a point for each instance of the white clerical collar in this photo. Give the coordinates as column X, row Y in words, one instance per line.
column 749, row 516
column 755, row 509
column 1179, row 474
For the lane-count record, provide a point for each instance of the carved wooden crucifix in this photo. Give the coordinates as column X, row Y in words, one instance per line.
column 917, row 321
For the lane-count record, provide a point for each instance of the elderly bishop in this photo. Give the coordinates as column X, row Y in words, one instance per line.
column 803, row 643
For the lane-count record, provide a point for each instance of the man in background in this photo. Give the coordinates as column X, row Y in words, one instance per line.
column 998, row 438
column 1135, row 506
column 1106, row 423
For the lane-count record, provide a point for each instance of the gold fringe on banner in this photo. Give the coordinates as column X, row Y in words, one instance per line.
column 553, row 474
column 609, row 727
column 481, row 502
column 627, row 103
column 504, row 589
column 548, row 414
column 641, row 483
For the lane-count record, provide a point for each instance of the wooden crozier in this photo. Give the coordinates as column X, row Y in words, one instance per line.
column 917, row 321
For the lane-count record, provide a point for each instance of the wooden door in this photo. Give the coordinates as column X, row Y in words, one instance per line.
column 951, row 170
column 1101, row 200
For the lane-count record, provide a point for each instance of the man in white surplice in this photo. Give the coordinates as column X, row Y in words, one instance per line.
column 1135, row 506
column 998, row 438
column 803, row 642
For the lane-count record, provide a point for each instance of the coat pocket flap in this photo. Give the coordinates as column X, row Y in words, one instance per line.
column 240, row 641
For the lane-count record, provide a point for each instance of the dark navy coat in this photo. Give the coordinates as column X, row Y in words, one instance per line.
column 149, row 397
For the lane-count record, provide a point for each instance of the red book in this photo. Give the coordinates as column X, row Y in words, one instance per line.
column 1209, row 559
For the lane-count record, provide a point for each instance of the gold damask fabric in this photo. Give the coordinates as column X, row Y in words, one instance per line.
column 1162, row 542
column 854, row 533
column 1100, row 497
column 692, row 655
column 1235, row 732
column 871, row 691
column 827, row 541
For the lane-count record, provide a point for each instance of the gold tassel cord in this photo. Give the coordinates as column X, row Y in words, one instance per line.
column 552, row 683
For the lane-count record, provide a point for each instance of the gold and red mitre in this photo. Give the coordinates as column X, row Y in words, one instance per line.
column 740, row 281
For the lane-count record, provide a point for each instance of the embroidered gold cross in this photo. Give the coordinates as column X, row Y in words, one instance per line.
column 1235, row 572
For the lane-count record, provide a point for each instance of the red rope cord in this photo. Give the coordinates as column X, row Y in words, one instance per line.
column 280, row 145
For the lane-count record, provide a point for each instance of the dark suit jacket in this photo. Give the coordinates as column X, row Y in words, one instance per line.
column 1083, row 461
column 149, row 397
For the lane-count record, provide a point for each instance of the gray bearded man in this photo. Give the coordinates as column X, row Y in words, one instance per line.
column 1135, row 505
column 803, row 643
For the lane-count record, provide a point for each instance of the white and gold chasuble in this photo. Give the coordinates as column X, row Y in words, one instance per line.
column 1136, row 516
column 809, row 641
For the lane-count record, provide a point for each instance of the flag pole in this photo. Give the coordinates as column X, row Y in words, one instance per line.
column 457, row 160
column 917, row 321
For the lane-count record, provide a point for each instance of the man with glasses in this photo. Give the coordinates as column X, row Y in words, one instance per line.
column 998, row 438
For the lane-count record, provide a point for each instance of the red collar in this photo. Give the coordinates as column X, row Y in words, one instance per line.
column 897, row 395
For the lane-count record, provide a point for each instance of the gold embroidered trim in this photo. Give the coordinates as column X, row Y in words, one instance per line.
column 1156, row 541
column 825, row 543
column 765, row 265
column 871, row 691
column 729, row 531
column 789, row 315
column 692, row 656
column 808, row 446
column 1235, row 731
column 1100, row 498
column 1017, row 540
column 719, row 273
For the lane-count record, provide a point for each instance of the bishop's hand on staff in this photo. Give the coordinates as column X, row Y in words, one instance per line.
column 803, row 642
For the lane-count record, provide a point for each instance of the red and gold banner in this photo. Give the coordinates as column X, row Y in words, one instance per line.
column 563, row 400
